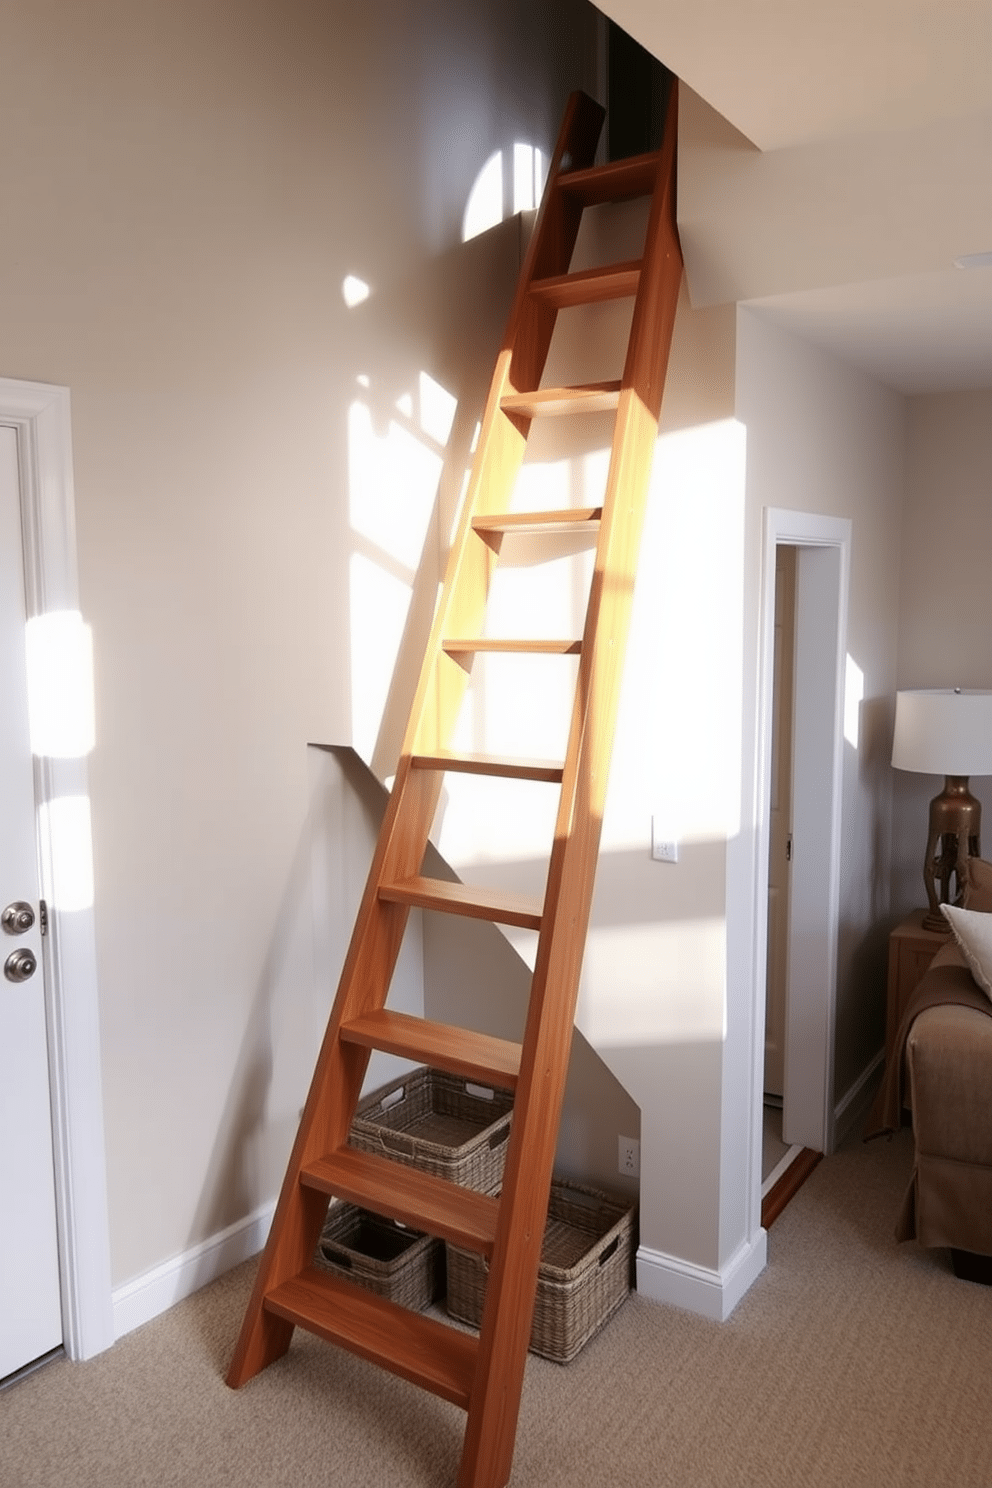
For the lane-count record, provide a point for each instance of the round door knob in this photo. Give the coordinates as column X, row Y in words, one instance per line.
column 17, row 918
column 20, row 965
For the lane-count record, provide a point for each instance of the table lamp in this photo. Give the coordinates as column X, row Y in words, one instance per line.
column 946, row 731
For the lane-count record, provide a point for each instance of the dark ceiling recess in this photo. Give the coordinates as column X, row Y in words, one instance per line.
column 638, row 92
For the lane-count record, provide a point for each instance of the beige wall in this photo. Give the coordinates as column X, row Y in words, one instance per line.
column 883, row 205
column 944, row 632
column 185, row 185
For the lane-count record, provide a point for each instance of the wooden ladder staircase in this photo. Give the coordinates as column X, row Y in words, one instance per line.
column 484, row 1375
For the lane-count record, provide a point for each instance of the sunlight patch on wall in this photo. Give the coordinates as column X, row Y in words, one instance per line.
column 392, row 483
column 488, row 821
column 354, row 291
column 65, row 823
column 854, row 692
column 528, row 177
column 677, row 753
column 487, row 203
column 393, row 476
column 484, row 208
column 656, row 984
column 437, row 409
column 60, row 685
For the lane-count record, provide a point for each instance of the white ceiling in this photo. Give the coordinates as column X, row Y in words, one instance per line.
column 804, row 77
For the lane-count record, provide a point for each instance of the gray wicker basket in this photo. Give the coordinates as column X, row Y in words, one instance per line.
column 584, row 1275
column 399, row 1264
column 440, row 1123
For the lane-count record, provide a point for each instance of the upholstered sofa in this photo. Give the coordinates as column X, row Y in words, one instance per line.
column 943, row 1074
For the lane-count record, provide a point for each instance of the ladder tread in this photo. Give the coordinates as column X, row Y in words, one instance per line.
column 565, row 520
column 590, row 397
column 409, row 1195
column 497, row 905
column 439, row 1358
column 589, row 286
column 469, row 645
column 458, row 1051
column 619, row 180
column 510, row 766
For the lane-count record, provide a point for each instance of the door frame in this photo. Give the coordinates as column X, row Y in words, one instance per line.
column 822, row 589
column 40, row 413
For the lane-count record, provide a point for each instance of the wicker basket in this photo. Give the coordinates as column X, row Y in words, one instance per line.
column 439, row 1123
column 402, row 1265
column 584, row 1275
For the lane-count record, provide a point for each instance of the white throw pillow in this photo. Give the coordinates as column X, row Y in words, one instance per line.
column 973, row 933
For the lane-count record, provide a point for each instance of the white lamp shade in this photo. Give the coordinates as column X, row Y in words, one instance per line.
column 943, row 731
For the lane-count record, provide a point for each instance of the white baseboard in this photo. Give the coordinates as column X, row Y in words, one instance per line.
column 855, row 1103
column 142, row 1299
column 712, row 1294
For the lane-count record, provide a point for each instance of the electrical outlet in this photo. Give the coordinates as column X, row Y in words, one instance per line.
column 629, row 1157
column 663, row 849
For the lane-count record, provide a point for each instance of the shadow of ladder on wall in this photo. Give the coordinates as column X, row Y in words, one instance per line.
column 484, row 1375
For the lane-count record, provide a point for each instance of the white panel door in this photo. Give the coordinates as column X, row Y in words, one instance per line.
column 30, row 1302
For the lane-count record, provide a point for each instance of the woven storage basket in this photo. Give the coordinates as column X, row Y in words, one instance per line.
column 583, row 1277
column 440, row 1123
column 402, row 1265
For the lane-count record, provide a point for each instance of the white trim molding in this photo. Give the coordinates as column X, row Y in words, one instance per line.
column 710, row 1293
column 40, row 414
column 855, row 1103
column 823, row 578
column 147, row 1296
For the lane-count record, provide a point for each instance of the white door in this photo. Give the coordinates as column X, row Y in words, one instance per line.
column 30, row 1300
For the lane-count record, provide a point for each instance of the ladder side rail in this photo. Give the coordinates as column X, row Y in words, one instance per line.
column 511, row 1287
column 649, row 346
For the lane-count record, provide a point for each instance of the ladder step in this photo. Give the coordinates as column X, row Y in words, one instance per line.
column 507, row 766
column 589, row 286
column 618, row 181
column 466, row 899
column 590, row 397
column 420, row 1349
column 470, row 646
column 409, row 1195
column 459, row 1051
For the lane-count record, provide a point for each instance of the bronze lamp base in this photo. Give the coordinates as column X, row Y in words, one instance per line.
column 955, row 833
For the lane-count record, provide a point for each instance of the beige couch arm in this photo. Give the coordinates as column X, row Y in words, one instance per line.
column 949, row 1059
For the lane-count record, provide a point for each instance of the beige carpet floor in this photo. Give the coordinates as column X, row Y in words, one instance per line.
column 852, row 1361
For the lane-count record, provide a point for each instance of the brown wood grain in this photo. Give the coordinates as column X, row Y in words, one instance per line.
column 406, row 1194
column 420, row 1349
column 459, row 1051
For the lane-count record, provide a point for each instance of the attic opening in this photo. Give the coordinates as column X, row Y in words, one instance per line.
column 638, row 86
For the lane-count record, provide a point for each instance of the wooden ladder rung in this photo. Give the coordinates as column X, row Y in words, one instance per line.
column 557, row 402
column 420, row 1349
column 470, row 645
column 466, row 899
column 618, row 181
column 589, row 286
column 508, row 766
column 459, row 1051
column 409, row 1195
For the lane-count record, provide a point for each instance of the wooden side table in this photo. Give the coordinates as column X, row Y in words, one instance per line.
column 911, row 949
